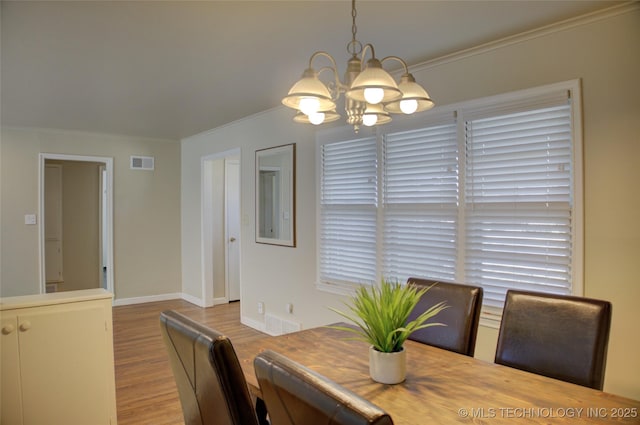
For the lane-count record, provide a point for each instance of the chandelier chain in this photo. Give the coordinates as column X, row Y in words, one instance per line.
column 354, row 47
column 354, row 13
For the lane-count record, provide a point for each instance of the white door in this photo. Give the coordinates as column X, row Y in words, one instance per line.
column 104, row 235
column 232, row 214
column 53, row 223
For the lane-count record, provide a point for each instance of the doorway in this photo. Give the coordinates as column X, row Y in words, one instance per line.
column 232, row 226
column 221, row 228
column 76, row 223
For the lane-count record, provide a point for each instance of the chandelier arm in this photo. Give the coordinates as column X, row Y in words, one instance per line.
column 334, row 87
column 325, row 68
column 364, row 51
column 333, row 67
column 404, row 64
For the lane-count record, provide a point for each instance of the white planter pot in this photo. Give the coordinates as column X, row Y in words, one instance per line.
column 387, row 368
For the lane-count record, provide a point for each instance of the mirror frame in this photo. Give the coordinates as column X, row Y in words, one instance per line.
column 289, row 158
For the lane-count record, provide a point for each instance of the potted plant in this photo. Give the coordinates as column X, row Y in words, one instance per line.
column 380, row 315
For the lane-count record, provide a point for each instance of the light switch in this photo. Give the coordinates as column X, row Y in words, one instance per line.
column 30, row 219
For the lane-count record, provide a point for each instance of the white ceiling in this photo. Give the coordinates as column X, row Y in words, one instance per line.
column 171, row 69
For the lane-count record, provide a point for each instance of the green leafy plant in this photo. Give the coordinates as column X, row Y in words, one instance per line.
column 381, row 314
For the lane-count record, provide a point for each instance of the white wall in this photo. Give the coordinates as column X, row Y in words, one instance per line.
column 602, row 51
column 146, row 213
column 271, row 274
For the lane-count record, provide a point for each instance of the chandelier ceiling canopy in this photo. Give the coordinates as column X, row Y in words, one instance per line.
column 371, row 93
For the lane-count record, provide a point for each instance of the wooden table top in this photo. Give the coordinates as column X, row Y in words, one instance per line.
column 443, row 387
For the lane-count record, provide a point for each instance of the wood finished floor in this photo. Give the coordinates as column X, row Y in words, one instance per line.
column 146, row 393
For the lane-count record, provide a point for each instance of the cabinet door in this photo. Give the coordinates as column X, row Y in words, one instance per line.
column 10, row 394
column 64, row 361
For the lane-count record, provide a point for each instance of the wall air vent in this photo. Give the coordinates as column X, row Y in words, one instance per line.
column 142, row 163
column 275, row 325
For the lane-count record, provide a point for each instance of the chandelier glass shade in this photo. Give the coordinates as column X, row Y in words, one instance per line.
column 370, row 94
column 309, row 94
column 414, row 97
column 317, row 118
column 374, row 85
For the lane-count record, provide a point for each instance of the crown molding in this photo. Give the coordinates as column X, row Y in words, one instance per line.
column 544, row 31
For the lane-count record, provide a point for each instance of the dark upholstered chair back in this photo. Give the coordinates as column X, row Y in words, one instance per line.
column 462, row 316
column 295, row 395
column 210, row 381
column 562, row 337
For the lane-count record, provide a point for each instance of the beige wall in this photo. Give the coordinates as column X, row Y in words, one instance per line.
column 604, row 55
column 146, row 210
column 602, row 52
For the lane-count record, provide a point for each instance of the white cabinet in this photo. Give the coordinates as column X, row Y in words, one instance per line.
column 56, row 359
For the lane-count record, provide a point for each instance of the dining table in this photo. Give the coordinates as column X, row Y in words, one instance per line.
column 442, row 387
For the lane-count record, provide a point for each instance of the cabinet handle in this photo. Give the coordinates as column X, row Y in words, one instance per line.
column 25, row 326
column 6, row 330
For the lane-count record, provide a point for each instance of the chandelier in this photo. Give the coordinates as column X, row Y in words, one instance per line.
column 371, row 94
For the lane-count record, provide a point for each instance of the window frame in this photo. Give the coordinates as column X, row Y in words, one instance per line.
column 490, row 317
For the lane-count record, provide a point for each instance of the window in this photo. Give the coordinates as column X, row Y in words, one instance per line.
column 518, row 202
column 482, row 192
column 349, row 202
column 420, row 211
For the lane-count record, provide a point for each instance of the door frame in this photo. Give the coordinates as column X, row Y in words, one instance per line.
column 206, row 224
column 108, row 244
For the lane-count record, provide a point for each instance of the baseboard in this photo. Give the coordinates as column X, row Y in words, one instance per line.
column 147, row 299
column 194, row 300
column 255, row 324
column 166, row 297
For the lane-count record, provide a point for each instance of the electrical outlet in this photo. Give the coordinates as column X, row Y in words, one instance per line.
column 289, row 308
column 261, row 308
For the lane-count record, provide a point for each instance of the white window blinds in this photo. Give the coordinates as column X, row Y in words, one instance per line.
column 420, row 203
column 518, row 201
column 482, row 193
column 348, row 211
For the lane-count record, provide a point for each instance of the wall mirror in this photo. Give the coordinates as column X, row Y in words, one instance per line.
column 276, row 195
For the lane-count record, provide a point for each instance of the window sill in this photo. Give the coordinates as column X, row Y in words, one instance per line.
column 345, row 289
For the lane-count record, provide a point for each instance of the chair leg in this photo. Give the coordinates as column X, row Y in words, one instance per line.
column 261, row 412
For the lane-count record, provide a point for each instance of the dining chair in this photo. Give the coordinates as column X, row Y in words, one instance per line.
column 461, row 317
column 562, row 337
column 211, row 384
column 295, row 395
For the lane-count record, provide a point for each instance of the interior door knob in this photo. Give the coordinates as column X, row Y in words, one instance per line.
column 7, row 329
column 232, row 239
column 25, row 326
